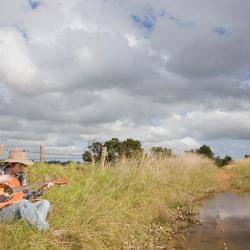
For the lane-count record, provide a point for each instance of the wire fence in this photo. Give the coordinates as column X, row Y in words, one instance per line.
column 63, row 155
column 46, row 154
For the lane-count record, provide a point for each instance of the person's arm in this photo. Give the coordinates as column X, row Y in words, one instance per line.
column 4, row 179
column 28, row 193
column 32, row 194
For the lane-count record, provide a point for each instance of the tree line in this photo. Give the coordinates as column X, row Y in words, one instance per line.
column 130, row 148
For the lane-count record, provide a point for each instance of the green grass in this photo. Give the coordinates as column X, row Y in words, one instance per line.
column 241, row 178
column 116, row 208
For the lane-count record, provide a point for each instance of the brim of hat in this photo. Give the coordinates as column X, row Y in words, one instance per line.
column 27, row 163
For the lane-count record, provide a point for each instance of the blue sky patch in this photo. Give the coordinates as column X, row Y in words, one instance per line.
column 147, row 22
column 34, row 4
column 178, row 21
column 221, row 30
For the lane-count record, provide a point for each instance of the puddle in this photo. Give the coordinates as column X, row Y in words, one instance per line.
column 225, row 224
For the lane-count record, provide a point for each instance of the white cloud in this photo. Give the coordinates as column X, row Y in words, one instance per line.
column 190, row 142
column 16, row 66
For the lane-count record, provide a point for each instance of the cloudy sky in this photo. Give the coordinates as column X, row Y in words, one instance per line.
column 169, row 73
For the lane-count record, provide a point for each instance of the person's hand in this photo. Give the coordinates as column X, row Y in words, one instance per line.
column 50, row 184
column 5, row 179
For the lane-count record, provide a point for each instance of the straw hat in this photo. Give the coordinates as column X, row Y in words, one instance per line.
column 19, row 156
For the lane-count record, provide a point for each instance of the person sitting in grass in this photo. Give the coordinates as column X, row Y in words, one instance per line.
column 34, row 213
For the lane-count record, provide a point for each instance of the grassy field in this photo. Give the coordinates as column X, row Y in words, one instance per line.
column 134, row 205
column 241, row 177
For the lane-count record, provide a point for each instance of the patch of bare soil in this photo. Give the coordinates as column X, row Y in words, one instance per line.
column 223, row 177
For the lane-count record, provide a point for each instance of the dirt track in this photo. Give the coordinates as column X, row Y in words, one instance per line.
column 223, row 177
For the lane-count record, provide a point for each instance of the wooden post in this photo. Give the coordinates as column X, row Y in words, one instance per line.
column 92, row 158
column 1, row 149
column 103, row 157
column 123, row 159
column 41, row 153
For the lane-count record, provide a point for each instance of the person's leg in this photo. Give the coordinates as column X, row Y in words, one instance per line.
column 43, row 208
column 8, row 213
column 34, row 214
column 30, row 213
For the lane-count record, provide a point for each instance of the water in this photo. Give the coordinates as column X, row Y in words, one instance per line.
column 225, row 224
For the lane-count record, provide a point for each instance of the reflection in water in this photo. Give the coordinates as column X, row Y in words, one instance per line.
column 225, row 224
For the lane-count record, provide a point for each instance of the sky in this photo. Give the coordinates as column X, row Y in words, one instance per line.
column 168, row 73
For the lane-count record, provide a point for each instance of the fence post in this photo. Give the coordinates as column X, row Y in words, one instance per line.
column 1, row 149
column 103, row 157
column 92, row 158
column 123, row 159
column 41, row 153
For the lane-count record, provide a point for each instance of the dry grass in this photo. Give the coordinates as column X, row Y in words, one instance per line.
column 117, row 208
column 241, row 170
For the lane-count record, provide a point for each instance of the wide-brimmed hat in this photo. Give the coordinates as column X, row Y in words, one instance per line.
column 18, row 156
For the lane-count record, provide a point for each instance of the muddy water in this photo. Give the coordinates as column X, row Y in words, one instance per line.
column 225, row 224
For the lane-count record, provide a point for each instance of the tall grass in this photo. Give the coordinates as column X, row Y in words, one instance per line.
column 241, row 178
column 113, row 209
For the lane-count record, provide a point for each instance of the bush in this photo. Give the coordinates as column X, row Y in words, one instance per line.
column 223, row 162
column 205, row 150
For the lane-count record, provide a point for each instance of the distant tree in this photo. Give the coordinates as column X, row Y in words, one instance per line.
column 247, row 156
column 191, row 151
column 130, row 147
column 96, row 149
column 205, row 150
column 223, row 162
column 87, row 156
column 114, row 149
column 227, row 159
column 160, row 151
